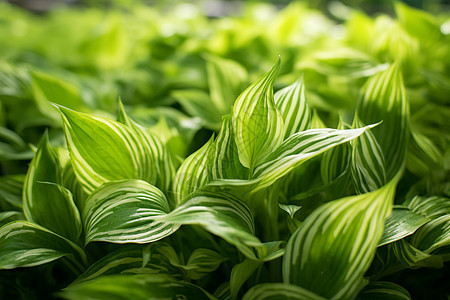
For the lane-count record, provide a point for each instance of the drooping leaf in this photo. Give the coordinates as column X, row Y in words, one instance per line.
column 134, row 287
column 413, row 257
column 203, row 262
column 257, row 123
column 25, row 244
column 401, row 223
column 9, row 216
column 123, row 212
column 384, row 99
column 192, row 174
column 367, row 163
column 291, row 101
column 383, row 290
column 432, row 207
column 131, row 259
column 274, row 291
column 433, row 235
column 339, row 235
column 45, row 201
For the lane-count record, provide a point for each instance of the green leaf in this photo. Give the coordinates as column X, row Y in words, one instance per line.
column 124, row 211
column 192, row 174
column 45, row 202
column 240, row 274
column 103, row 150
column 150, row 259
column 226, row 79
column 401, row 223
column 413, row 257
column 423, row 156
column 383, row 290
column 9, row 216
column 220, row 214
column 25, row 244
column 198, row 104
column 367, row 163
column 433, row 235
column 49, row 89
column 134, row 287
column 203, row 262
column 224, row 158
column 274, row 291
column 12, row 147
column 384, row 99
column 333, row 248
column 11, row 190
column 291, row 101
column 257, row 123
column 431, row 207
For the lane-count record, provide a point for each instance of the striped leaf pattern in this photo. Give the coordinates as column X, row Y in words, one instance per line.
column 135, row 287
column 202, row 262
column 414, row 258
column 220, row 214
column 124, row 212
column 274, row 291
column 319, row 257
column 401, row 223
column 291, row 101
column 257, row 123
column 192, row 174
column 45, row 202
column 224, row 159
column 103, row 150
column 383, row 290
column 432, row 206
column 367, row 163
column 433, row 236
column 25, row 244
column 384, row 99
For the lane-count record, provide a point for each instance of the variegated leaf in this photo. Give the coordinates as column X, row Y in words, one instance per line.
column 433, row 236
column 414, row 258
column 291, row 101
column 202, row 262
column 333, row 248
column 124, row 212
column 135, row 287
column 257, row 123
column 45, row 202
column 383, row 290
column 432, row 207
column 367, row 163
column 384, row 99
column 192, row 174
column 25, row 244
column 275, row 291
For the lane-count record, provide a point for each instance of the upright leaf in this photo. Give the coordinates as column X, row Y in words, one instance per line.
column 333, row 248
column 291, row 101
column 123, row 212
column 45, row 202
column 384, row 99
column 257, row 123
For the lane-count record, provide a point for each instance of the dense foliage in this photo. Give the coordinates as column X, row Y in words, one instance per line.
column 164, row 155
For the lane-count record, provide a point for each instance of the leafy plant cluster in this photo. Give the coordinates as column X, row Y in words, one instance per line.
column 325, row 178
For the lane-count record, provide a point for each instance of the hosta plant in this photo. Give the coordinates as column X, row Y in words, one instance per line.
column 273, row 206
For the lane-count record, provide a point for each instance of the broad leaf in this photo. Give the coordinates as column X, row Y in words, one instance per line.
column 384, row 99
column 401, row 223
column 333, row 248
column 291, row 101
column 257, row 123
column 368, row 165
column 275, row 291
column 11, row 190
column 433, row 235
column 414, row 258
column 124, row 212
column 25, row 244
column 203, row 262
column 192, row 174
column 134, row 287
column 9, row 216
column 383, row 290
column 432, row 207
column 47, row 203
column 240, row 274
